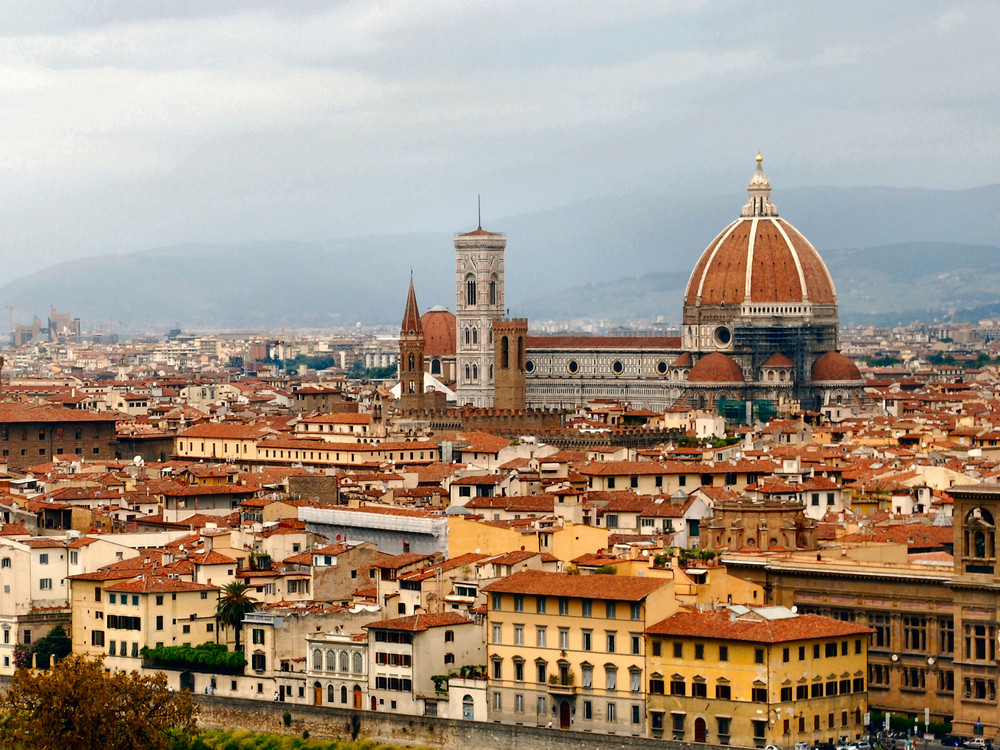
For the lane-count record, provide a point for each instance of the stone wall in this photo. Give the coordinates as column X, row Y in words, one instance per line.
column 340, row 724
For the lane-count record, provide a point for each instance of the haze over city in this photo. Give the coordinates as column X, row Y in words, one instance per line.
column 131, row 127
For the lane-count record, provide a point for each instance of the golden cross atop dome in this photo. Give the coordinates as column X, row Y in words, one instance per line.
column 759, row 158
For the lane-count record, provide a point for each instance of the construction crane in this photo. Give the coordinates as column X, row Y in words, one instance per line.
column 11, row 308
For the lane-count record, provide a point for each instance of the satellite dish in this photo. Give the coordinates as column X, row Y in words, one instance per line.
column 795, row 609
column 138, row 461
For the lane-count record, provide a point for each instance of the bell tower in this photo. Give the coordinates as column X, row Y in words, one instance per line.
column 479, row 301
column 411, row 356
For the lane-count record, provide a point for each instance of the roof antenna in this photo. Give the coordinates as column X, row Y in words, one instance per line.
column 479, row 202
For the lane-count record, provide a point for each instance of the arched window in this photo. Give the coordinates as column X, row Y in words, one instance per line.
column 468, row 373
column 412, row 362
column 520, row 352
column 468, row 336
column 343, row 693
column 345, row 664
column 317, row 659
column 329, row 693
column 504, row 353
column 470, row 290
column 493, row 289
column 331, row 661
column 475, row 335
column 413, row 387
column 468, row 708
column 475, row 371
column 358, row 663
column 435, row 366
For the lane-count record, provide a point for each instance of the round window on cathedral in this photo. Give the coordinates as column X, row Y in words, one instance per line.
column 661, row 368
column 529, row 366
column 617, row 367
column 722, row 336
column 573, row 367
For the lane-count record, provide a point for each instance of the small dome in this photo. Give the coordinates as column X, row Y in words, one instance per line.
column 778, row 360
column 716, row 368
column 682, row 361
column 834, row 366
column 439, row 332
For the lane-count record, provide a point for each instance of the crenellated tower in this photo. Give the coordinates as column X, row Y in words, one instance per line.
column 509, row 377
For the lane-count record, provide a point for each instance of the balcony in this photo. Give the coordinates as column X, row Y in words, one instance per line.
column 563, row 683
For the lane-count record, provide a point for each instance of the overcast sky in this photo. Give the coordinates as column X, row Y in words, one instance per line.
column 127, row 125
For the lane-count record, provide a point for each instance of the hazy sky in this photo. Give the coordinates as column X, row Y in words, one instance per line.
column 128, row 125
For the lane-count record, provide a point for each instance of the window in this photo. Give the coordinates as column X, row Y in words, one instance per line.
column 678, row 725
column 540, row 636
column 611, row 678
column 518, row 703
column 449, row 658
column 946, row 681
column 187, row 628
column 723, row 691
column 588, row 640
column 496, row 602
column 802, row 653
column 980, row 641
column 587, row 608
column 758, row 655
column 882, row 637
column 258, row 662
column 914, row 678
column 519, row 670
column 497, row 702
column 540, row 706
column 540, row 605
column 699, row 688
column 587, row 675
column 519, row 635
column 257, row 635
column 786, row 694
column 722, row 727
column 542, row 669
column 758, row 694
column 636, row 714
column 96, row 638
column 45, row 584
column 564, row 639
column 588, row 710
column 656, row 648
column 878, row 675
column 786, row 654
column 43, row 558
column 497, row 669
column 678, row 649
column 564, row 606
column 677, row 685
column 634, row 680
column 830, row 649
column 946, row 635
column 635, row 611
column 496, row 630
column 611, row 636
column 612, row 712
column 518, row 603
column 815, row 651
column 816, row 690
column 610, row 609
column 449, row 636
column 159, row 622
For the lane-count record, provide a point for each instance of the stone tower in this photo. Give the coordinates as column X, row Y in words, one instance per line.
column 479, row 301
column 411, row 356
column 509, row 387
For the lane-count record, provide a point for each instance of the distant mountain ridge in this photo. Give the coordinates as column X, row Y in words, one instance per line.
column 909, row 254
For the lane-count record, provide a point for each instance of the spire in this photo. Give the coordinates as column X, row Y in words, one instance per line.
column 411, row 318
column 760, row 194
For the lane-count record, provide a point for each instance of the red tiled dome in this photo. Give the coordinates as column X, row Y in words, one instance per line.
column 760, row 259
column 439, row 332
column 682, row 361
column 778, row 360
column 834, row 366
column 716, row 368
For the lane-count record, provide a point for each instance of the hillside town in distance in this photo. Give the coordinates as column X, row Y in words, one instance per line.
column 755, row 528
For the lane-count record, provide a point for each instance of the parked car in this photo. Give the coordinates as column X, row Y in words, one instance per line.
column 976, row 743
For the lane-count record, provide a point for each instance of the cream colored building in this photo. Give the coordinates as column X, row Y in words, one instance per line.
column 568, row 650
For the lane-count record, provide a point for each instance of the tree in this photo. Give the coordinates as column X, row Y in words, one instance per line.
column 75, row 704
column 55, row 645
column 234, row 604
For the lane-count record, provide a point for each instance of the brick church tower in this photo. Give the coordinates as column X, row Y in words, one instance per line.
column 509, row 379
column 411, row 356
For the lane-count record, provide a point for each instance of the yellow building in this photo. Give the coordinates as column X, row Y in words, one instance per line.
column 567, row 650
column 560, row 538
column 117, row 616
column 756, row 676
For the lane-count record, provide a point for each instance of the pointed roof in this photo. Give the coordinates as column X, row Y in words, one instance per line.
column 411, row 318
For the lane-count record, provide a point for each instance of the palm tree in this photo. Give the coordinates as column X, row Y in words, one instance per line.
column 234, row 604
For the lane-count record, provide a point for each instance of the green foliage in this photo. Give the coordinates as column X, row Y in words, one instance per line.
column 885, row 361
column 211, row 655
column 608, row 570
column 234, row 604
column 286, row 719
column 440, row 682
column 357, row 372
column 54, row 645
column 74, row 704
column 473, row 671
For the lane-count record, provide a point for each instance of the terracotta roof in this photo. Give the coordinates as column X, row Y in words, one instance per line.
column 421, row 622
column 720, row 625
column 11, row 413
column 834, row 366
column 148, row 584
column 716, row 368
column 439, row 333
column 778, row 360
column 668, row 343
column 598, row 586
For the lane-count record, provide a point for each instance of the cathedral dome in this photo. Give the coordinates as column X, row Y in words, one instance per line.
column 716, row 368
column 439, row 332
column 760, row 259
column 834, row 366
